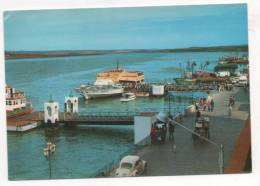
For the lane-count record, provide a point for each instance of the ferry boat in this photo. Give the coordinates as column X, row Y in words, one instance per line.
column 128, row 97
column 16, row 104
column 119, row 75
column 100, row 89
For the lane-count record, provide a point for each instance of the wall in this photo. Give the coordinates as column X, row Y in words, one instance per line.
column 142, row 128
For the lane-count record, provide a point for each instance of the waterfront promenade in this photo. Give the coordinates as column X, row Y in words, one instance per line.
column 184, row 157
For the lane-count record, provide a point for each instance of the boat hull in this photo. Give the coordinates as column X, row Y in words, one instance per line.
column 127, row 99
column 185, row 81
column 18, row 113
column 101, row 95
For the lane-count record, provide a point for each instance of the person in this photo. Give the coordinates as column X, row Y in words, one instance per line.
column 153, row 134
column 209, row 105
column 212, row 105
column 198, row 114
column 171, row 131
column 230, row 110
column 196, row 107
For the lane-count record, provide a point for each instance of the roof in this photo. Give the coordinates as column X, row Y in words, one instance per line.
column 130, row 159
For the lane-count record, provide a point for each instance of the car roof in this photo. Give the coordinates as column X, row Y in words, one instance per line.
column 130, row 159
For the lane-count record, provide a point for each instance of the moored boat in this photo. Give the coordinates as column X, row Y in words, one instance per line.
column 100, row 89
column 128, row 97
column 16, row 103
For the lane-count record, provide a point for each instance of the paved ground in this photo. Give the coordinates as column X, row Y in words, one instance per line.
column 200, row 158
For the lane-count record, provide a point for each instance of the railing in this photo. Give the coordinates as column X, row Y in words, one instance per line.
column 107, row 169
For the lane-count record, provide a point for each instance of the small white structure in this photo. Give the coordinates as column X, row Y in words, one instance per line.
column 223, row 74
column 71, row 104
column 157, row 90
column 51, row 112
column 142, row 128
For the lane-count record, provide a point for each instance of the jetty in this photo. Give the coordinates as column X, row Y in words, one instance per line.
column 182, row 157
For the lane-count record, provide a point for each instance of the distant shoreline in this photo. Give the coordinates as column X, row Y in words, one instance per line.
column 67, row 53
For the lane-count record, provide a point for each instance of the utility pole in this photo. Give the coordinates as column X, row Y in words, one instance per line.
column 48, row 152
column 220, row 147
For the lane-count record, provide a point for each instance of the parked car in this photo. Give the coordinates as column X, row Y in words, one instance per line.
column 131, row 166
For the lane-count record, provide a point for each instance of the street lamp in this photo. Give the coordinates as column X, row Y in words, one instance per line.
column 220, row 147
column 48, row 152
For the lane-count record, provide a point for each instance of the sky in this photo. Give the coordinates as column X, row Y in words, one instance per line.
column 126, row 28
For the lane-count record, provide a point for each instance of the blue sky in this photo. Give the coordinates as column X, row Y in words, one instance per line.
column 126, row 28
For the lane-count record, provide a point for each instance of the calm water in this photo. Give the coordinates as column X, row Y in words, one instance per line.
column 82, row 151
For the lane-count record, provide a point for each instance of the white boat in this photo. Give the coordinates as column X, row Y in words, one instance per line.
column 100, row 89
column 128, row 97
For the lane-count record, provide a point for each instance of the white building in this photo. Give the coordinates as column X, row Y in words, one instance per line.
column 51, row 112
column 71, row 104
column 157, row 90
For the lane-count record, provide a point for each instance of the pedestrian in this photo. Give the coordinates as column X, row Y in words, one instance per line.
column 230, row 110
column 198, row 114
column 209, row 105
column 171, row 131
column 196, row 107
column 212, row 105
column 153, row 134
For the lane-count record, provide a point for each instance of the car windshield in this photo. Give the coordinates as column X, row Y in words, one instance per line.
column 126, row 165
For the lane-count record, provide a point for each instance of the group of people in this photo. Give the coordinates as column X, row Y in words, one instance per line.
column 205, row 104
column 158, row 134
column 224, row 86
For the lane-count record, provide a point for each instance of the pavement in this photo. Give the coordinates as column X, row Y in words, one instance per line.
column 183, row 156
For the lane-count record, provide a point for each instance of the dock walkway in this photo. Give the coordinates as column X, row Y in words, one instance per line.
column 200, row 158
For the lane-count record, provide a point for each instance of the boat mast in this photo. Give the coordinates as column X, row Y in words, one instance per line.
column 117, row 64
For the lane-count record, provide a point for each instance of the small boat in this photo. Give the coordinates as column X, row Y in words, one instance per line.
column 128, row 97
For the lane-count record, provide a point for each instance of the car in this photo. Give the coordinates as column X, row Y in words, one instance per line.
column 131, row 165
column 234, row 80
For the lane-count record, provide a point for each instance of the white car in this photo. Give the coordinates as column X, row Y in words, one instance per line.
column 234, row 80
column 131, row 166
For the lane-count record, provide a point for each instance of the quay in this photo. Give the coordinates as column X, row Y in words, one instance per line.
column 182, row 156
column 189, row 158
column 147, row 88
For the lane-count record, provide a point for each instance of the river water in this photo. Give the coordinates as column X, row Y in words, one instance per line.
column 82, row 151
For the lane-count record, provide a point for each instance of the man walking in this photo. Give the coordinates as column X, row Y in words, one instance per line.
column 212, row 105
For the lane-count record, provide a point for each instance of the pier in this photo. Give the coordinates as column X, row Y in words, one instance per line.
column 91, row 118
column 188, row 158
column 147, row 88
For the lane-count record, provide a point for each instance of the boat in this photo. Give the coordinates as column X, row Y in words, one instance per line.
column 16, row 103
column 100, row 89
column 128, row 97
column 203, row 76
column 234, row 60
column 121, row 76
column 186, row 80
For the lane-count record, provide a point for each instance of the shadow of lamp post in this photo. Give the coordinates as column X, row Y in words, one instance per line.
column 48, row 152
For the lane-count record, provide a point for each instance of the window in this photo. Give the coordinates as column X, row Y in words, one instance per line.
column 126, row 165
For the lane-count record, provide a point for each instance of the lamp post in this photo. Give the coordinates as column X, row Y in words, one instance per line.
column 48, row 152
column 220, row 147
